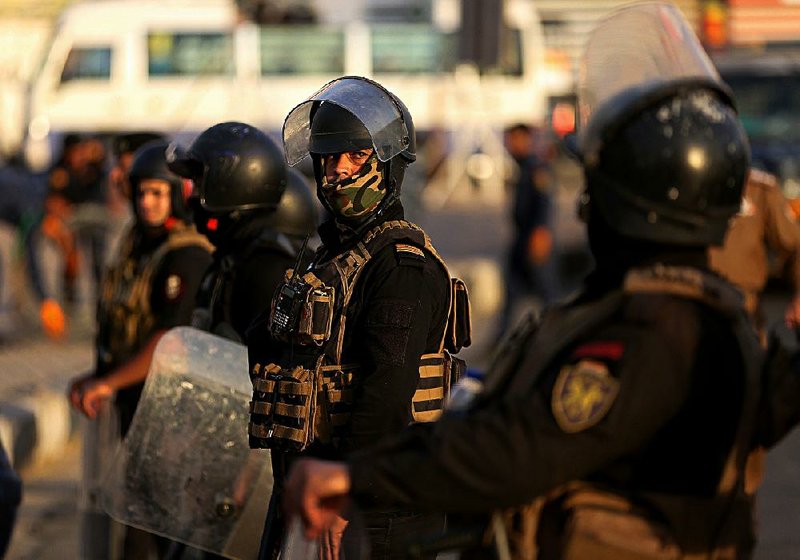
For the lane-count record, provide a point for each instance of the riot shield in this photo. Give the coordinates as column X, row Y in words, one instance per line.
column 637, row 55
column 185, row 470
column 101, row 440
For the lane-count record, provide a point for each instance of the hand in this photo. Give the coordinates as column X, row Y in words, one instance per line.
column 792, row 315
column 95, row 394
column 540, row 244
column 75, row 391
column 317, row 492
column 52, row 318
column 331, row 540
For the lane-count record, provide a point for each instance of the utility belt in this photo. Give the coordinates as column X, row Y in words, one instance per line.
column 293, row 407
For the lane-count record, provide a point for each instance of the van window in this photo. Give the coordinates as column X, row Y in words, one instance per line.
column 510, row 63
column 412, row 49
column 301, row 50
column 87, row 63
column 189, row 54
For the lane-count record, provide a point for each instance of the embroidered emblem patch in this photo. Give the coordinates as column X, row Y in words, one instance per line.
column 582, row 395
column 174, row 285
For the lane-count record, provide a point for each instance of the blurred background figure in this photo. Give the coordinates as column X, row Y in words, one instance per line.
column 764, row 232
column 76, row 218
column 764, row 227
column 531, row 271
column 123, row 146
column 22, row 196
column 148, row 290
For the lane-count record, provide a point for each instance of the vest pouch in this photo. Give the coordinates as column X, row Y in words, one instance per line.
column 459, row 323
column 317, row 317
column 435, row 378
column 605, row 526
column 282, row 409
column 334, row 415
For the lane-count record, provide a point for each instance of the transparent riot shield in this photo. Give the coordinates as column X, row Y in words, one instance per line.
column 185, row 470
column 101, row 441
column 639, row 53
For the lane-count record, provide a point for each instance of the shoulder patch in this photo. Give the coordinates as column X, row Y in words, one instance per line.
column 409, row 254
column 582, row 395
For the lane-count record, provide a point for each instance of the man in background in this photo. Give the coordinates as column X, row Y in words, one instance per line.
column 763, row 225
column 530, row 267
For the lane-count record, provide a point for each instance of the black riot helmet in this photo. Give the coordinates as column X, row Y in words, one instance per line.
column 663, row 151
column 234, row 166
column 674, row 173
column 297, row 214
column 352, row 113
column 150, row 162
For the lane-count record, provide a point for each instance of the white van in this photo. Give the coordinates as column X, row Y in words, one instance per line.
column 179, row 66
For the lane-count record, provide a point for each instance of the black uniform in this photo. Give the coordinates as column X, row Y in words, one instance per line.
column 397, row 313
column 670, row 374
column 359, row 344
column 241, row 281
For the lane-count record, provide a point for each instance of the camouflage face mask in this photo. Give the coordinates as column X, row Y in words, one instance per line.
column 358, row 195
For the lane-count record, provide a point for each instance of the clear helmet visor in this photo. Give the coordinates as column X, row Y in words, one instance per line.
column 637, row 55
column 367, row 101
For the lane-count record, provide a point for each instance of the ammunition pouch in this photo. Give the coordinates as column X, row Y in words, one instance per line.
column 292, row 408
column 337, row 402
column 302, row 310
column 283, row 408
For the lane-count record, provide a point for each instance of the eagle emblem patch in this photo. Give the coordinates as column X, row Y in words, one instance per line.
column 582, row 395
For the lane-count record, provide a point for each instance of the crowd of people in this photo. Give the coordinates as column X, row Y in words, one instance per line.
column 628, row 421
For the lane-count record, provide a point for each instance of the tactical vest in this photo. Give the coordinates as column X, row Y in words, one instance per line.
column 125, row 318
column 601, row 523
column 295, row 405
column 213, row 310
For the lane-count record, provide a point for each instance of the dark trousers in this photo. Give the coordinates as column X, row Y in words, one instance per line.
column 390, row 535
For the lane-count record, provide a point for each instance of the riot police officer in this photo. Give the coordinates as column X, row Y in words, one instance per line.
column 240, row 177
column 359, row 337
column 619, row 427
column 148, row 290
